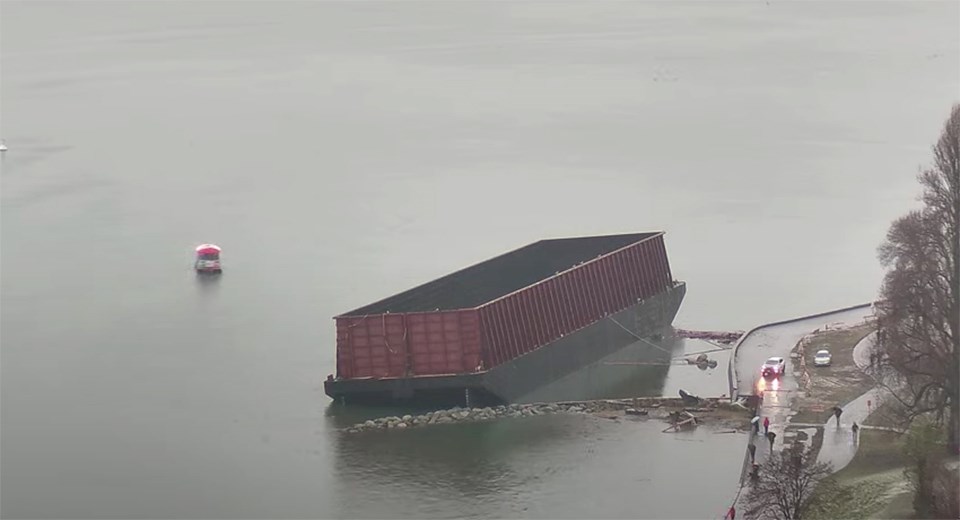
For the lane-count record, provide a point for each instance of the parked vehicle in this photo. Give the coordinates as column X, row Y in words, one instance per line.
column 773, row 368
column 822, row 358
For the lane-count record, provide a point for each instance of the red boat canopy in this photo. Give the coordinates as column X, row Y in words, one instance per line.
column 207, row 249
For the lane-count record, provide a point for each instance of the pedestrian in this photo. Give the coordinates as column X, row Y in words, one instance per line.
column 836, row 412
column 756, row 424
column 771, row 437
column 752, row 448
column 855, row 428
column 731, row 513
column 766, row 425
column 755, row 472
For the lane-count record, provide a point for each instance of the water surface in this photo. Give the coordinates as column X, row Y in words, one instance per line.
column 343, row 151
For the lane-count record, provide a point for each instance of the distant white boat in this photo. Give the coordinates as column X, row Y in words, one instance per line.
column 3, row 146
column 208, row 259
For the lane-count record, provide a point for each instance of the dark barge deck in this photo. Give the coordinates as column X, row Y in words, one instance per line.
column 498, row 330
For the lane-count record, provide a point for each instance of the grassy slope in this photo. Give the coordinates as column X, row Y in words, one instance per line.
column 871, row 486
column 837, row 384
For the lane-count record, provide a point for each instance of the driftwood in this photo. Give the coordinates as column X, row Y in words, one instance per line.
column 722, row 337
column 677, row 423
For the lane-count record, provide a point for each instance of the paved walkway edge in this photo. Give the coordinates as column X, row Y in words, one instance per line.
column 733, row 378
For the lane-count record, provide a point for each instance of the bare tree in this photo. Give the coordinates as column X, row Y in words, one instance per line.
column 919, row 313
column 921, row 446
column 786, row 484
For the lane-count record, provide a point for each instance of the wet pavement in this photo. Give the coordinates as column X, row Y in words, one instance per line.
column 839, row 442
column 777, row 403
column 779, row 339
column 778, row 394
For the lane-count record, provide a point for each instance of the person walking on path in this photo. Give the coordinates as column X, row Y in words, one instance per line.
column 836, row 413
column 756, row 424
column 766, row 425
column 855, row 428
column 771, row 437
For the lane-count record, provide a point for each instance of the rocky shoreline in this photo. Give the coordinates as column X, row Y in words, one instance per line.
column 662, row 408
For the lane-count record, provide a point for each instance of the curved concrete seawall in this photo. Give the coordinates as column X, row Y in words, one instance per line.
column 778, row 339
column 734, row 374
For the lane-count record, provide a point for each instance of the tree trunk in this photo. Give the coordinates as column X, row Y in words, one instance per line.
column 953, row 427
column 921, row 501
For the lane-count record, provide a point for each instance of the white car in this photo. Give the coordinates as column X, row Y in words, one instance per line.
column 822, row 358
column 774, row 367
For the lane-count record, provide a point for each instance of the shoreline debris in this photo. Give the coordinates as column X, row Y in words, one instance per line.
column 712, row 335
column 614, row 409
column 702, row 362
column 681, row 419
column 690, row 400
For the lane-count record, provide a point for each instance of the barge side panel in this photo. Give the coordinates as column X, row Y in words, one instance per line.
column 514, row 380
column 407, row 345
column 516, row 324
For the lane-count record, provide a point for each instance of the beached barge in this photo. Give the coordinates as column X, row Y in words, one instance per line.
column 497, row 330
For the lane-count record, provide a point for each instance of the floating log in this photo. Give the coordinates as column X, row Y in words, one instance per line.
column 719, row 336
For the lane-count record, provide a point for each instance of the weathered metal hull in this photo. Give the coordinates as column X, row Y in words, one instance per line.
column 493, row 312
column 510, row 381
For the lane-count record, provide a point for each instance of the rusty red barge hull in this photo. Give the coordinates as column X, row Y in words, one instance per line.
column 499, row 329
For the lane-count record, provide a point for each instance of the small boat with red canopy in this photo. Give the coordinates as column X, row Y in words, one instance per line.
column 208, row 259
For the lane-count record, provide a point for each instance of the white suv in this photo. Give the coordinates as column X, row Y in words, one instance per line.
column 822, row 358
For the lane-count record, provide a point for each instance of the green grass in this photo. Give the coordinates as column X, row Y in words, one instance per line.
column 879, row 452
column 899, row 507
column 858, row 500
column 887, row 414
column 837, row 384
column 871, row 486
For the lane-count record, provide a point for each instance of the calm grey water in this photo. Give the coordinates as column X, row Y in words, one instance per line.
column 341, row 152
